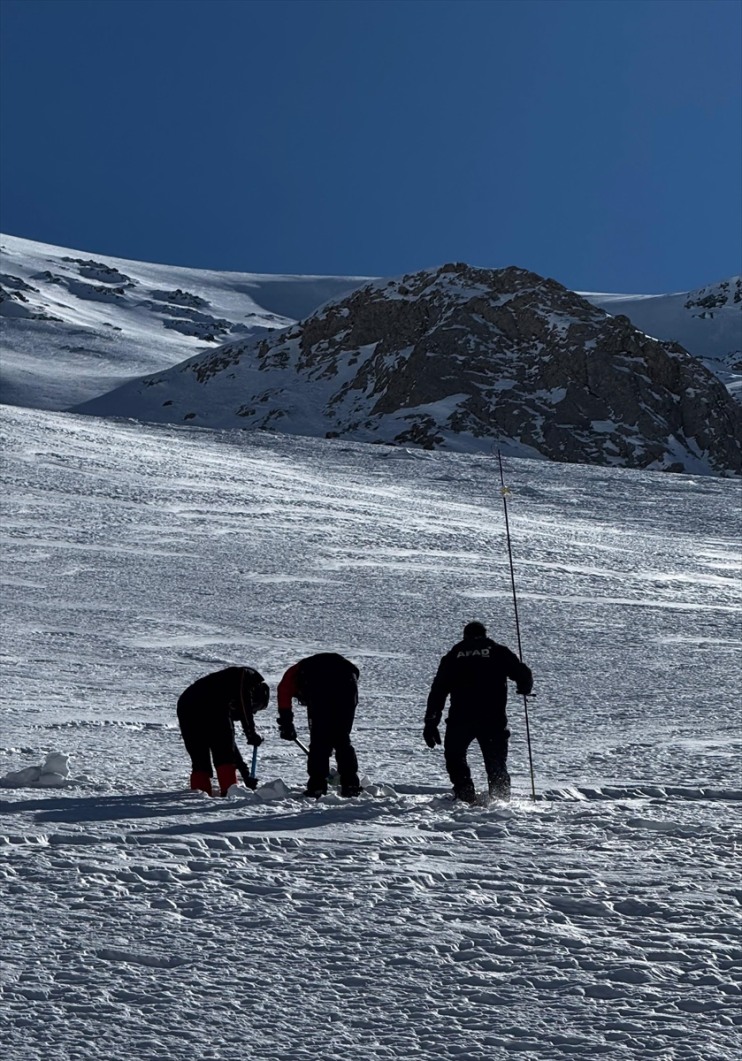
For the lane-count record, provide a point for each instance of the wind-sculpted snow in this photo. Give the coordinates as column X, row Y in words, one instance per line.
column 140, row 920
column 388, row 928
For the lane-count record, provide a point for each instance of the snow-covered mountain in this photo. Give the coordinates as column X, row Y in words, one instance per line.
column 460, row 358
column 76, row 324
column 595, row 921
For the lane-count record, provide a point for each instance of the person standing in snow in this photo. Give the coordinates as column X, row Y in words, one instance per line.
column 474, row 674
column 327, row 684
column 207, row 712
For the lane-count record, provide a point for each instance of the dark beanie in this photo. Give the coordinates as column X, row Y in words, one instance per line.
column 474, row 630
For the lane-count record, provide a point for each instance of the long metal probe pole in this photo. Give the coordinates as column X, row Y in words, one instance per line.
column 504, row 491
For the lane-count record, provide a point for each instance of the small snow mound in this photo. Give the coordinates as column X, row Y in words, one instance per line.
column 378, row 790
column 53, row 773
column 272, row 790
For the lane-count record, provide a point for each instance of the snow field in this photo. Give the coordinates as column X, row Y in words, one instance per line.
column 601, row 920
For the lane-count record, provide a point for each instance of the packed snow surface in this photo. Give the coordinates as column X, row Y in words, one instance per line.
column 143, row 921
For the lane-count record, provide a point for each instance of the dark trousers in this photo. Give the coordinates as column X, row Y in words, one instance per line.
column 492, row 738
column 208, row 734
column 330, row 726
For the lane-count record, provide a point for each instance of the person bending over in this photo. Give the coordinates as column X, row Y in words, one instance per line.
column 207, row 712
column 327, row 684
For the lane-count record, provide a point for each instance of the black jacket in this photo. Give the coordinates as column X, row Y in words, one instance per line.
column 240, row 691
column 474, row 674
column 327, row 677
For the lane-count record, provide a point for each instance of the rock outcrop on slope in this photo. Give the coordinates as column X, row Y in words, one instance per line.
column 707, row 322
column 462, row 358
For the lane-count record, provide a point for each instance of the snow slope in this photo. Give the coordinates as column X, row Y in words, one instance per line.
column 76, row 324
column 141, row 920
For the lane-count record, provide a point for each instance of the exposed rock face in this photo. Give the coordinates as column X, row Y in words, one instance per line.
column 715, row 297
column 706, row 322
column 466, row 358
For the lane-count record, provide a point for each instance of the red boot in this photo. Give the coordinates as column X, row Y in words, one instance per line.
column 201, row 782
column 227, row 774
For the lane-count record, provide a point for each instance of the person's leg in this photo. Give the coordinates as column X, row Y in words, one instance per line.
column 320, row 749
column 196, row 743
column 455, row 746
column 494, row 745
column 345, row 753
column 223, row 747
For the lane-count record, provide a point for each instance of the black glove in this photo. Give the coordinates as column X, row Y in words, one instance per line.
column 524, row 692
column 286, row 726
column 255, row 739
column 431, row 734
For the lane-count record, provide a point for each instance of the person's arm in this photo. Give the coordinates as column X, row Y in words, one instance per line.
column 247, row 681
column 519, row 673
column 439, row 690
column 248, row 728
column 288, row 688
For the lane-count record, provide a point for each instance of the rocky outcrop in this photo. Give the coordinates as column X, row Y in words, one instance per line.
column 715, row 297
column 467, row 358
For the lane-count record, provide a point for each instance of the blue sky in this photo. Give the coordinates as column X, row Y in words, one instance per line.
column 597, row 142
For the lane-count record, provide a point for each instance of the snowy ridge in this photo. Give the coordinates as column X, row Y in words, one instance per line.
column 601, row 920
column 76, row 324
